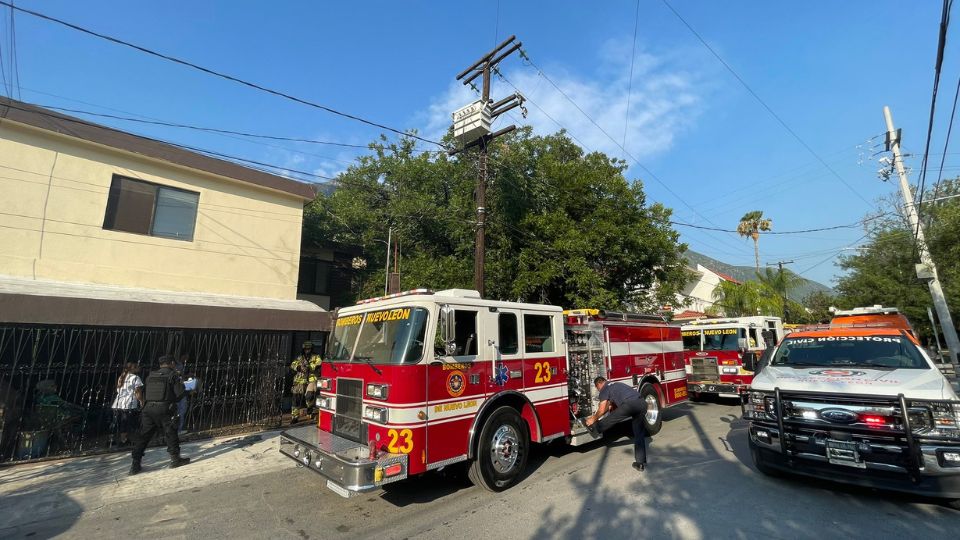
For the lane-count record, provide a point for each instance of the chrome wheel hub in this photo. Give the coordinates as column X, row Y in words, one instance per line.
column 653, row 409
column 505, row 449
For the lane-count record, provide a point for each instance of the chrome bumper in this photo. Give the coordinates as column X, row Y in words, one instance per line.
column 345, row 464
column 933, row 463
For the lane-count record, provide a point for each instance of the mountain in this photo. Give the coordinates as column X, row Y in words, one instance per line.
column 747, row 273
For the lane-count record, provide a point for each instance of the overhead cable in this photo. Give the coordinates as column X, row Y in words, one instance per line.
column 219, row 74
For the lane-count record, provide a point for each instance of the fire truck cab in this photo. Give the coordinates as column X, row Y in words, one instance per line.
column 714, row 351
column 421, row 380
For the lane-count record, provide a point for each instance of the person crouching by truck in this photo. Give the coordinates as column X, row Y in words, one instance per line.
column 629, row 404
column 306, row 371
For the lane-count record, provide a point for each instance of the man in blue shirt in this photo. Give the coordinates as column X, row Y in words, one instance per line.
column 628, row 404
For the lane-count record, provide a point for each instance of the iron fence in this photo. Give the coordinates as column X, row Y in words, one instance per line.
column 57, row 383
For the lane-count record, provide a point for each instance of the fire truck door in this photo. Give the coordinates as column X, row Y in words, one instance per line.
column 544, row 363
column 456, row 386
column 505, row 352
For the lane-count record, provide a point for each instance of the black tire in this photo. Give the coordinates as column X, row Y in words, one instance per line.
column 952, row 503
column 502, row 451
column 759, row 464
column 654, row 417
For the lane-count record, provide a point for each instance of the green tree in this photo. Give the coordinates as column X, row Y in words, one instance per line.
column 779, row 284
column 751, row 224
column 563, row 227
column 744, row 299
column 817, row 307
column 882, row 271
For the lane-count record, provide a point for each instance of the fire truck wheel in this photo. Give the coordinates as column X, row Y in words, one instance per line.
column 654, row 417
column 501, row 451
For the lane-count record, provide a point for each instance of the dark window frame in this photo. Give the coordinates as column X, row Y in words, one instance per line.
column 111, row 209
column 309, row 267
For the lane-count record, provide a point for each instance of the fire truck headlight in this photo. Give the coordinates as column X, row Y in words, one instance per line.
column 323, row 403
column 730, row 370
column 377, row 391
column 323, row 383
column 377, row 414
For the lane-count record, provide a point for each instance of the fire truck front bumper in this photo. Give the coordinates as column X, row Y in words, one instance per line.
column 721, row 388
column 345, row 464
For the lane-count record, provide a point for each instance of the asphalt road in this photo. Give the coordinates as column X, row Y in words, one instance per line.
column 699, row 484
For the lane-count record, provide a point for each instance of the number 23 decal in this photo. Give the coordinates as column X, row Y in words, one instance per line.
column 405, row 439
column 543, row 372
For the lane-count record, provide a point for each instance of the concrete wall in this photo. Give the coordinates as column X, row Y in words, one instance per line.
column 698, row 293
column 53, row 197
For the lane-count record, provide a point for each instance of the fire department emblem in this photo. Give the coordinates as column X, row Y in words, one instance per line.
column 837, row 373
column 501, row 374
column 456, row 383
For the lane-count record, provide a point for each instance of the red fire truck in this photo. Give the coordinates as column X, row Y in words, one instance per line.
column 713, row 352
column 421, row 380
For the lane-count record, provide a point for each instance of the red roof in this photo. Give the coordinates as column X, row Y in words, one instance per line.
column 727, row 278
column 688, row 314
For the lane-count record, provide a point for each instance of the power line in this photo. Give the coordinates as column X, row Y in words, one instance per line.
column 14, row 63
column 633, row 57
column 764, row 104
column 183, row 146
column 941, row 45
column 202, row 128
column 219, row 74
column 650, row 173
column 3, row 74
column 802, row 231
column 946, row 142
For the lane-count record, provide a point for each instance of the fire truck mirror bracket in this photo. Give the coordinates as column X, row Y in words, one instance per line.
column 448, row 329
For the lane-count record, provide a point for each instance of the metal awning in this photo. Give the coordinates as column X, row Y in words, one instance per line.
column 54, row 302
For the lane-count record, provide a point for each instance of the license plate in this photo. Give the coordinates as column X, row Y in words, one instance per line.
column 844, row 453
column 339, row 490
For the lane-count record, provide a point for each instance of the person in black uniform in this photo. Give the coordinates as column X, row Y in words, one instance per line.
column 162, row 390
column 629, row 405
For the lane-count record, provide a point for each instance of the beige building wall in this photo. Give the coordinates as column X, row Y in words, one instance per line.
column 53, row 198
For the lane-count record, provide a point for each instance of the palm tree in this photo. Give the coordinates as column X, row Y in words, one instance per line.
column 750, row 225
column 743, row 299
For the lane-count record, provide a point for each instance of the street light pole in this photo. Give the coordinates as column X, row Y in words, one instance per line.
column 926, row 269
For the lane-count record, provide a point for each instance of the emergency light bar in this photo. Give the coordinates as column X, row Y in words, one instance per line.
column 876, row 309
column 396, row 295
column 623, row 316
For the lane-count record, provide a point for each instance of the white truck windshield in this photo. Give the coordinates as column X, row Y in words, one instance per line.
column 386, row 336
column 893, row 352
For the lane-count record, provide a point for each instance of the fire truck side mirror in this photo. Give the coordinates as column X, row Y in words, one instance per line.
column 750, row 361
column 448, row 330
column 742, row 343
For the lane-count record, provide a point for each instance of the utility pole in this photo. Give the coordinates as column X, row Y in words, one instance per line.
column 926, row 270
column 484, row 67
column 783, row 284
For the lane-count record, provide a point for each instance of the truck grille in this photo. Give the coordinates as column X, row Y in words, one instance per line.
column 704, row 369
column 348, row 423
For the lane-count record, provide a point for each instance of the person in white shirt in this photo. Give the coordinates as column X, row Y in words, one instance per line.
column 126, row 406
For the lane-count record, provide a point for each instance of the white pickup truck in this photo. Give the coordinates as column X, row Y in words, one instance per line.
column 859, row 404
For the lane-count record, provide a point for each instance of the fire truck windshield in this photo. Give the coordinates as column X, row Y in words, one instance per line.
column 387, row 336
column 691, row 340
column 720, row 339
column 892, row 352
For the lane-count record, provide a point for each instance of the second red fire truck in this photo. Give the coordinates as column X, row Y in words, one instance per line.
column 422, row 380
column 714, row 349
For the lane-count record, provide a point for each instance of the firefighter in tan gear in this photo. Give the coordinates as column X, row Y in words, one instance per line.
column 306, row 371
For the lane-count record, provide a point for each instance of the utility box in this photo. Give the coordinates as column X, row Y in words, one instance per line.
column 924, row 272
column 472, row 122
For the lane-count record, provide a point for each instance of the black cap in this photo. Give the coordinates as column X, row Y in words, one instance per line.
column 167, row 360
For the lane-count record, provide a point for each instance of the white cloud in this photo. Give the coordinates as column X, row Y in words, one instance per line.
column 665, row 99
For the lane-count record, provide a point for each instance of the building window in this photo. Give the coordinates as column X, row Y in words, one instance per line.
column 145, row 208
column 314, row 277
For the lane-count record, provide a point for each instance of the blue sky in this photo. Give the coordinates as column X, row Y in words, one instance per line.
column 826, row 68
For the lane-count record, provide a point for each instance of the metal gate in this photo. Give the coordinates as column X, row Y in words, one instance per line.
column 57, row 383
